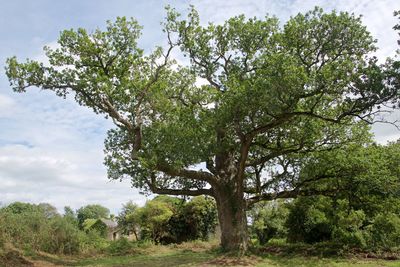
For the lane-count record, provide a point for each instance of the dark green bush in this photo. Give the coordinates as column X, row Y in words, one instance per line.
column 348, row 228
column 385, row 231
column 308, row 222
column 193, row 220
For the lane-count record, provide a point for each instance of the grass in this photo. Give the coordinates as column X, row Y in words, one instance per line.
column 179, row 258
column 299, row 261
column 203, row 254
column 209, row 259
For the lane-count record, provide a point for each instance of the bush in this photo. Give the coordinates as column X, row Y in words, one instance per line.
column 92, row 241
column 385, row 231
column 39, row 228
column 268, row 221
column 121, row 246
column 171, row 220
column 316, row 219
column 193, row 220
column 307, row 221
column 64, row 237
column 348, row 229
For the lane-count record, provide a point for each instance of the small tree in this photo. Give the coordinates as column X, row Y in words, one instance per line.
column 268, row 220
column 153, row 218
column 270, row 92
column 95, row 211
column 195, row 219
column 128, row 219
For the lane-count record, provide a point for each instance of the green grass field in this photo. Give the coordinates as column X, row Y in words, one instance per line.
column 188, row 258
column 199, row 254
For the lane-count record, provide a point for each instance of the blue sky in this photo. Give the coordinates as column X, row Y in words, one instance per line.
column 51, row 150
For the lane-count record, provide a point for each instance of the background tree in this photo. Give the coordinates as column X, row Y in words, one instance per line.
column 268, row 220
column 70, row 215
column 271, row 92
column 19, row 208
column 200, row 215
column 154, row 217
column 128, row 219
column 39, row 227
column 363, row 203
column 195, row 219
column 48, row 210
column 94, row 211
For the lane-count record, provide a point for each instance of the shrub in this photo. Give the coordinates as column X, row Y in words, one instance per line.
column 348, row 229
column 92, row 241
column 64, row 237
column 193, row 220
column 39, row 228
column 268, row 221
column 307, row 220
column 385, row 231
column 121, row 246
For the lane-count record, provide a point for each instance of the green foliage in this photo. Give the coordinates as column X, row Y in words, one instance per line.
column 307, row 221
column 19, row 208
column 63, row 238
column 40, row 228
column 201, row 214
column 128, row 219
column 120, row 247
column 91, row 212
column 25, row 224
column 167, row 219
column 70, row 215
column 268, row 220
column 95, row 225
column 154, row 217
column 92, row 242
column 196, row 219
column 385, row 231
column 349, row 226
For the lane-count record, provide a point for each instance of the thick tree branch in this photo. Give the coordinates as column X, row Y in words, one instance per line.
column 289, row 194
column 182, row 192
column 177, row 192
column 189, row 174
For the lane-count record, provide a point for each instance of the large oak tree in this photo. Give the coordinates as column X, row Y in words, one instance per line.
column 268, row 92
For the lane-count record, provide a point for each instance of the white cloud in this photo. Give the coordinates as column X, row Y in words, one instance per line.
column 7, row 105
column 34, row 175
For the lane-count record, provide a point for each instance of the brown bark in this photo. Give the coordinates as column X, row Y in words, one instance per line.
column 232, row 219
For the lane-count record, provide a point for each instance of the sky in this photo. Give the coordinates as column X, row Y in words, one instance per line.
column 51, row 150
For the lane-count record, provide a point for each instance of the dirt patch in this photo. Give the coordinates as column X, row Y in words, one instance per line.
column 14, row 259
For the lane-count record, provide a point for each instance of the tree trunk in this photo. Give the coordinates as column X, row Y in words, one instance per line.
column 232, row 220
